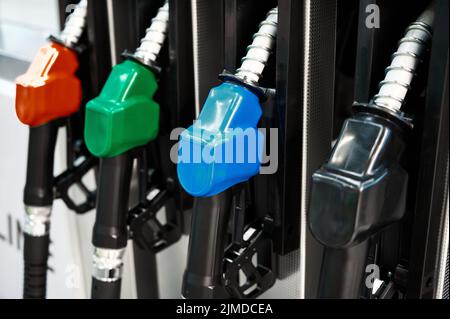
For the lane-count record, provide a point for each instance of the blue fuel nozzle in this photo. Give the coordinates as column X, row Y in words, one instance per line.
column 223, row 147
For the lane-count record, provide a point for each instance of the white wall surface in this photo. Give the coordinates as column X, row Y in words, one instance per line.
column 25, row 24
column 63, row 279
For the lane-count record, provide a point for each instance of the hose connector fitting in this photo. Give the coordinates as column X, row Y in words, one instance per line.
column 108, row 264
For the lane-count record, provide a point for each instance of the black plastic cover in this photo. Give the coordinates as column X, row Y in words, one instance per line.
column 362, row 187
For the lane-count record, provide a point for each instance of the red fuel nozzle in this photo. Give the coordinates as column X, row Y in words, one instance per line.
column 49, row 89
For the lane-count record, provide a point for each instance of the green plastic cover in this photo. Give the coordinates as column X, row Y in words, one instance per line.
column 124, row 115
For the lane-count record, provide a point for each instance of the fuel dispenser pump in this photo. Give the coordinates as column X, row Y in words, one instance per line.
column 120, row 122
column 215, row 162
column 362, row 187
column 48, row 96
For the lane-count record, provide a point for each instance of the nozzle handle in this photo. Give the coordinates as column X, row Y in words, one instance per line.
column 110, row 228
column 362, row 187
column 203, row 277
column 350, row 262
column 110, row 232
column 41, row 150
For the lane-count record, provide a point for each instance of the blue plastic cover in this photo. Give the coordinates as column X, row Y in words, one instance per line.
column 224, row 146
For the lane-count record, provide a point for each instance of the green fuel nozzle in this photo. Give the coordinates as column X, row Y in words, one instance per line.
column 124, row 115
column 118, row 122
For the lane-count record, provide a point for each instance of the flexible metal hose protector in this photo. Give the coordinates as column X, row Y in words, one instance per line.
column 259, row 51
column 405, row 61
column 38, row 192
column 76, row 21
column 155, row 35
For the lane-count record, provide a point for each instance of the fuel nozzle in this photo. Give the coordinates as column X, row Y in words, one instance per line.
column 46, row 93
column 118, row 124
column 213, row 154
column 221, row 149
column 362, row 186
column 50, row 88
column 124, row 115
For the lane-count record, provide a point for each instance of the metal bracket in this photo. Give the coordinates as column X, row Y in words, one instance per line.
column 145, row 228
column 79, row 163
column 249, row 259
column 393, row 287
column 74, row 176
column 249, row 267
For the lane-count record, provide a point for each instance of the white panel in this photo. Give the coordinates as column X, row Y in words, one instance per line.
column 11, row 185
column 24, row 26
column 65, row 281
column 36, row 14
column 171, row 264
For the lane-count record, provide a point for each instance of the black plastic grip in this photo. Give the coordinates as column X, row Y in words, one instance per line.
column 350, row 263
column 362, row 187
column 35, row 266
column 110, row 228
column 105, row 290
column 203, row 277
column 360, row 190
column 41, row 149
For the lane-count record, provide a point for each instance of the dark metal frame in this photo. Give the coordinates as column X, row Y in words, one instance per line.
column 407, row 251
column 210, row 45
column 373, row 53
column 291, row 90
column 432, row 185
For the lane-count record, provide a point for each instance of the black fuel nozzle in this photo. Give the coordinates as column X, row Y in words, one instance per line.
column 362, row 187
column 357, row 192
